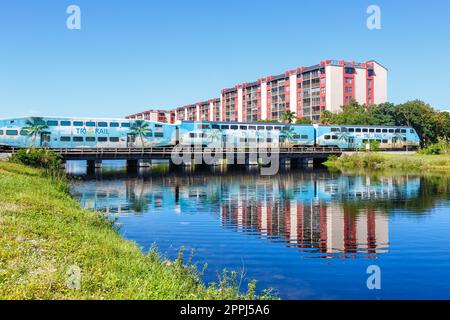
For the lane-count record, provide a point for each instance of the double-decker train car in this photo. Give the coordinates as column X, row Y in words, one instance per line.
column 245, row 134
column 56, row 132
column 356, row 136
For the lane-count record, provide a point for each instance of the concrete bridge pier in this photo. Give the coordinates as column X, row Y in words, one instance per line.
column 94, row 164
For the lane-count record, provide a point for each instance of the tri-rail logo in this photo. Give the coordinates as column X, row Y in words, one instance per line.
column 92, row 131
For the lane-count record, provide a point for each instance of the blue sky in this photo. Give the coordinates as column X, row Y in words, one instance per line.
column 133, row 55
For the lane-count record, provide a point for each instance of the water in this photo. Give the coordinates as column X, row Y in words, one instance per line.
column 306, row 234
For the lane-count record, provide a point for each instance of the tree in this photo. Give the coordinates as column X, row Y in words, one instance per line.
column 288, row 116
column 34, row 127
column 303, row 121
column 140, row 128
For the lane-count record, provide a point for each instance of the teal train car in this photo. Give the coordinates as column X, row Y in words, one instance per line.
column 245, row 134
column 58, row 132
column 356, row 136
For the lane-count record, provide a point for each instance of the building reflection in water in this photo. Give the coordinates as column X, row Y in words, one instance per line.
column 313, row 211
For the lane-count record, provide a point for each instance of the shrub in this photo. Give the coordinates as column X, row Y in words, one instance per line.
column 433, row 149
column 39, row 158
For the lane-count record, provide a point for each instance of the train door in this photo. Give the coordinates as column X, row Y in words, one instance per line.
column 351, row 142
column 45, row 139
column 177, row 135
column 131, row 139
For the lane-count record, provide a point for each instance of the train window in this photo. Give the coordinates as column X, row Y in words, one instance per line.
column 102, row 139
column 203, row 135
column 148, row 134
column 397, row 130
column 358, row 130
column 411, row 131
column 64, row 139
column 52, row 123
column 335, row 130
column 192, row 135
column 327, row 137
column 365, row 130
column 385, row 131
column 277, row 128
column 403, row 131
column 243, row 140
column 225, row 127
column 90, row 124
column 77, row 139
column 40, row 122
column 261, row 140
column 391, row 130
column 371, row 130
column 344, row 129
column 78, row 124
column 159, row 134
column 158, row 125
column 65, row 123
column 351, row 129
column 215, row 126
column 252, row 127
column 251, row 140
column 114, row 139
column 378, row 140
column 233, row 127
column 125, row 125
column 24, row 133
column 365, row 141
column 269, row 128
column 269, row 139
column 333, row 137
column 102, row 124
column 114, row 124
column 1, row 132
column 203, row 126
column 12, row 132
column 377, row 130
column 404, row 139
column 260, row 128
column 90, row 139
column 304, row 137
column 385, row 141
column 243, row 127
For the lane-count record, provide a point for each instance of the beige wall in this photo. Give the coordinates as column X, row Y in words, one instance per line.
column 263, row 101
column 361, row 85
column 380, row 84
column 334, row 88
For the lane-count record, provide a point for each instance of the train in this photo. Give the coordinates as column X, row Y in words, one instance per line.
column 60, row 132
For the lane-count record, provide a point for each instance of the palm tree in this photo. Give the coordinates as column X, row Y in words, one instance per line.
column 140, row 128
column 288, row 116
column 214, row 135
column 34, row 127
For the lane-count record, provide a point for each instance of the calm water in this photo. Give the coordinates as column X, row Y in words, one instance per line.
column 307, row 234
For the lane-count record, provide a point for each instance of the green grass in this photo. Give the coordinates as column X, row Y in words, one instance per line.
column 43, row 232
column 381, row 161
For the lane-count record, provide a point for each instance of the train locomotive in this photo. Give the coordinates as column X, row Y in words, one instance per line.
column 58, row 132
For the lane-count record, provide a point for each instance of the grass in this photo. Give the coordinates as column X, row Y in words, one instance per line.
column 44, row 233
column 381, row 161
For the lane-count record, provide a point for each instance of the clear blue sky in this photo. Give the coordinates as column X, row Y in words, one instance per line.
column 133, row 55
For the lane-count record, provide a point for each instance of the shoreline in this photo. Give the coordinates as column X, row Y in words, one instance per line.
column 412, row 163
column 54, row 249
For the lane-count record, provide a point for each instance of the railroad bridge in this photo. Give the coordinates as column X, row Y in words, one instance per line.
column 141, row 157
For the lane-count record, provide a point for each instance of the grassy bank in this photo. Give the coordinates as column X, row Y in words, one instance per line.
column 381, row 161
column 44, row 233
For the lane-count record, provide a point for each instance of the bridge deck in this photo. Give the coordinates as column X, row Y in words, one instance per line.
column 166, row 152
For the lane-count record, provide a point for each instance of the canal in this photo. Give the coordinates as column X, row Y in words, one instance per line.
column 307, row 234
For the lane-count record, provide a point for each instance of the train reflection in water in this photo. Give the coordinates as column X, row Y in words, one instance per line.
column 311, row 211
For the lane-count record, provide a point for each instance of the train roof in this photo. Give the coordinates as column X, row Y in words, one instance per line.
column 293, row 124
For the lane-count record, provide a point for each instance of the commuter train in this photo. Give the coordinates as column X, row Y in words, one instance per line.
column 58, row 132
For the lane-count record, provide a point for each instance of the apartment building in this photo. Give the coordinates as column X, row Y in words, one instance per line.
column 306, row 91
